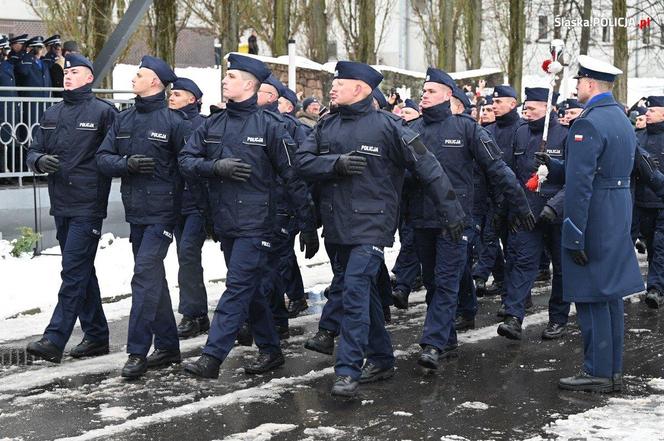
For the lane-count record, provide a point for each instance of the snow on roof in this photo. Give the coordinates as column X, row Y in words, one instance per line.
column 485, row 71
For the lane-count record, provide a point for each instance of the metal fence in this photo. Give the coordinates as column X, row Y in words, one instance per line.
column 19, row 120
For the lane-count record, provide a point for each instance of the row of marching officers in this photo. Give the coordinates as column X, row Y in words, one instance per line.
column 250, row 172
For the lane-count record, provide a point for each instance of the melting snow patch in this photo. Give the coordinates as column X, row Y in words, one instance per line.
column 638, row 331
column 656, row 384
column 323, row 432
column 475, row 405
column 365, row 402
column 543, row 369
column 453, row 438
column 264, row 432
column 113, row 413
column 402, row 413
column 623, row 419
column 179, row 398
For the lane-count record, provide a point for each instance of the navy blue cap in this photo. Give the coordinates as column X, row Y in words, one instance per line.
column 52, row 40
column 379, row 97
column 412, row 104
column 289, row 95
column 461, row 96
column 571, row 103
column 504, row 91
column 539, row 94
column 248, row 64
column 641, row 110
column 37, row 40
column 352, row 70
column 19, row 39
column 439, row 76
column 600, row 70
column 655, row 101
column 488, row 100
column 159, row 67
column 308, row 101
column 189, row 86
column 75, row 60
column 274, row 82
column 4, row 43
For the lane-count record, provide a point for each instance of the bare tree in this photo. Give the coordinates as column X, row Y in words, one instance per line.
column 620, row 55
column 438, row 22
column 518, row 27
column 471, row 16
column 585, row 30
column 221, row 17
column 357, row 21
column 315, row 30
column 261, row 16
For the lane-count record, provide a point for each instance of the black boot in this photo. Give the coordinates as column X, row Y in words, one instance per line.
column 495, row 289
column 283, row 331
column 46, row 350
column 295, row 307
column 400, row 299
column 554, row 331
column 654, row 298
column 205, row 367
column 463, row 324
column 163, row 357
column 193, row 326
column 510, row 328
column 89, row 348
column 586, row 383
column 266, row 361
column 501, row 311
column 480, row 287
column 345, row 386
column 135, row 366
column 322, row 342
column 418, row 284
column 371, row 373
column 429, row 357
column 244, row 337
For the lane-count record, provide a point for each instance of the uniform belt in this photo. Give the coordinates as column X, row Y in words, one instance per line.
column 620, row 182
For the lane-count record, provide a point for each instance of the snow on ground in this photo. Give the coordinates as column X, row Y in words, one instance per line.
column 264, row 432
column 622, row 419
column 474, row 405
column 22, row 291
column 322, row 432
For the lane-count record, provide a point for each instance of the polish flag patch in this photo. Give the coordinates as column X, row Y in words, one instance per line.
column 578, row 138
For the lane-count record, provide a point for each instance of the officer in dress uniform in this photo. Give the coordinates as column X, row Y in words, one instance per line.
column 458, row 142
column 242, row 151
column 598, row 258
column 190, row 231
column 53, row 45
column 64, row 147
column 17, row 45
column 32, row 71
column 525, row 248
column 142, row 148
column 8, row 110
column 362, row 153
column 649, row 207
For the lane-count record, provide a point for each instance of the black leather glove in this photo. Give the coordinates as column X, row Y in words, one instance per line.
column 140, row 164
column 309, row 241
column 548, row 214
column 542, row 158
column 454, row 231
column 232, row 168
column 524, row 222
column 48, row 164
column 350, row 164
column 579, row 257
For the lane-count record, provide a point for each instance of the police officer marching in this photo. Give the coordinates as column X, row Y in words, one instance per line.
column 191, row 231
column 64, row 147
column 361, row 153
column 142, row 148
column 242, row 150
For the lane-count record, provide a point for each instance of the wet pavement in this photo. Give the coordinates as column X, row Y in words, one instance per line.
column 496, row 388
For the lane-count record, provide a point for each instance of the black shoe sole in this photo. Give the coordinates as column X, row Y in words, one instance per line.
column 343, row 393
column 270, row 367
column 133, row 375
column 42, row 356
column 597, row 388
column 95, row 353
column 194, row 372
column 505, row 333
column 553, row 336
column 398, row 303
column 379, row 376
column 318, row 349
column 164, row 363
column 427, row 363
column 185, row 336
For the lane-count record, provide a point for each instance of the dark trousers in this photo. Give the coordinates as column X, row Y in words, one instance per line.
column 246, row 259
column 363, row 333
column 79, row 296
column 407, row 266
column 467, row 307
column 330, row 318
column 190, row 236
column 490, row 258
column 603, row 329
column 151, row 316
column 651, row 226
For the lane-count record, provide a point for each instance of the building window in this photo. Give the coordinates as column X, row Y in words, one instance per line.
column 606, row 34
column 543, row 28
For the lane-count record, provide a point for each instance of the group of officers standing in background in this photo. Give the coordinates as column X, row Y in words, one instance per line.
column 253, row 176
